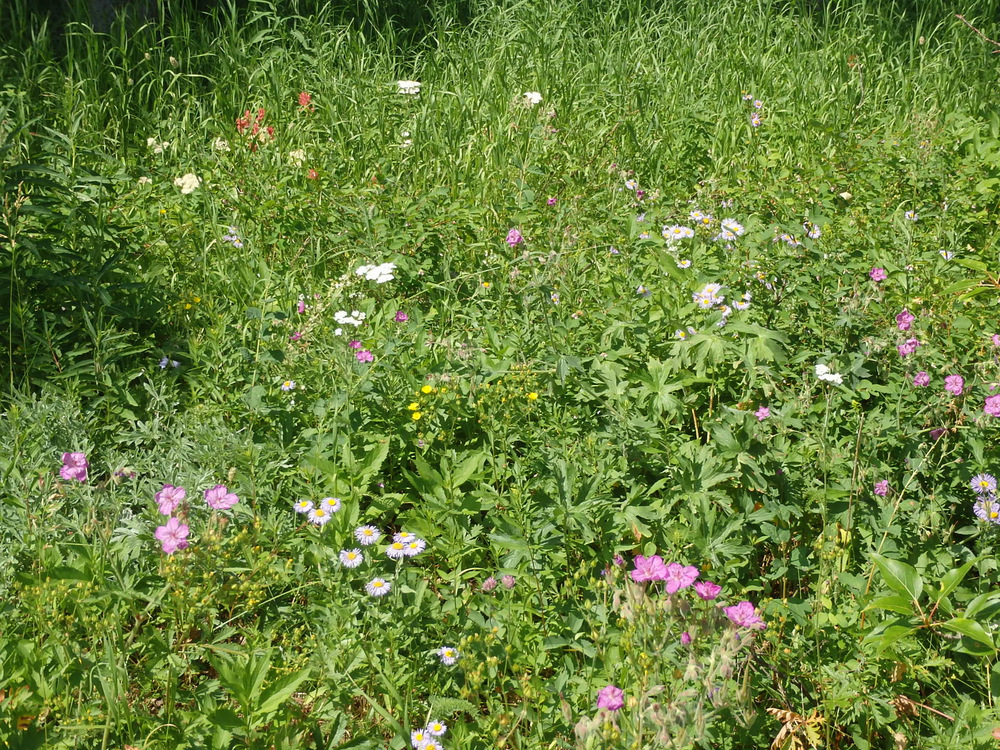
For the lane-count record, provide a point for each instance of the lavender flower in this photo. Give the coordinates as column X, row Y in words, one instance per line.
column 882, row 488
column 954, row 384
column 610, row 698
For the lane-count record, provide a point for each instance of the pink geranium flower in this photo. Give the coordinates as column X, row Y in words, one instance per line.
column 992, row 405
column 679, row 577
column 169, row 498
column 74, row 467
column 744, row 615
column 649, row 569
column 954, row 384
column 172, row 535
column 904, row 320
column 220, row 498
column 707, row 590
column 610, row 698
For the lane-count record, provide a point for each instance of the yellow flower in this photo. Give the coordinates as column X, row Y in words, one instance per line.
column 187, row 306
column 532, row 396
column 196, row 299
column 426, row 389
column 486, row 285
column 414, row 406
column 417, row 415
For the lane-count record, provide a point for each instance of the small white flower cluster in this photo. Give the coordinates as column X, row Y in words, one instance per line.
column 683, row 335
column 318, row 514
column 297, row 158
column 424, row 739
column 158, row 147
column 676, row 233
column 405, row 544
column 410, row 88
column 353, row 318
column 731, row 229
column 703, row 219
column 531, row 98
column 708, row 297
column 220, row 144
column 188, row 183
column 824, row 373
column 380, row 274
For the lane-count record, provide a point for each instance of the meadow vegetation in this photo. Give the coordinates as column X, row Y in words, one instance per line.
column 558, row 374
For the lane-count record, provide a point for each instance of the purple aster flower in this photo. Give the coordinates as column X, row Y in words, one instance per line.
column 984, row 484
column 954, row 384
column 169, row 498
column 220, row 498
column 172, row 535
column 878, row 274
column 992, row 405
column 610, row 698
column 904, row 320
column 762, row 413
column 649, row 569
column 401, row 317
column 514, row 238
column 74, row 466
column 679, row 577
column 744, row 615
column 882, row 488
column 365, row 356
column 987, row 508
column 922, row 379
column 707, row 590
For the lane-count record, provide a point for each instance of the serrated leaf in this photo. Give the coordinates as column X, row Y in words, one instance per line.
column 281, row 690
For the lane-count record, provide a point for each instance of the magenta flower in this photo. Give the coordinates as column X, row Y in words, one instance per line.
column 922, row 379
column 954, row 384
column 514, row 238
column 611, row 698
column 295, row 336
column 908, row 347
column 365, row 356
column 904, row 320
column 743, row 615
column 172, row 535
column 401, row 317
column 220, row 498
column 169, row 498
column 685, row 638
column 355, row 344
column 74, row 467
column 679, row 577
column 878, row 274
column 649, row 569
column 882, row 488
column 301, row 307
column 992, row 405
column 762, row 413
column 707, row 590
column 552, row 201
column 489, row 584
column 508, row 581
column 996, row 339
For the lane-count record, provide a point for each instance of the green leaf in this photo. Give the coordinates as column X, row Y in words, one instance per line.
column 970, row 629
column 901, row 604
column 887, row 633
column 951, row 579
column 281, row 690
column 900, row 577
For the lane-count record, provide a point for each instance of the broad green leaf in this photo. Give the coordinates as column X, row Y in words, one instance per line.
column 281, row 690
column 900, row 577
column 951, row 579
column 901, row 604
column 970, row 629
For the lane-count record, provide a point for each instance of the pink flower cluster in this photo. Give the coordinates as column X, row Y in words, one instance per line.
column 744, row 615
column 74, row 467
column 173, row 534
column 908, row 347
column 674, row 575
column 904, row 320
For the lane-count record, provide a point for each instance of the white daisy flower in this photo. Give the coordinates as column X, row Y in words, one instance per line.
column 351, row 558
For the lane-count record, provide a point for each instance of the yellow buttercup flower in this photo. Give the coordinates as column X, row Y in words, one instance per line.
column 417, row 415
column 414, row 406
column 426, row 389
column 532, row 396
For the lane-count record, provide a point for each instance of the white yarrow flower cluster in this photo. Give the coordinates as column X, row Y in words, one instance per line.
column 221, row 144
column 297, row 157
column 353, row 318
column 531, row 98
column 410, row 88
column 188, row 183
column 380, row 274
column 824, row 373
column 158, row 147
